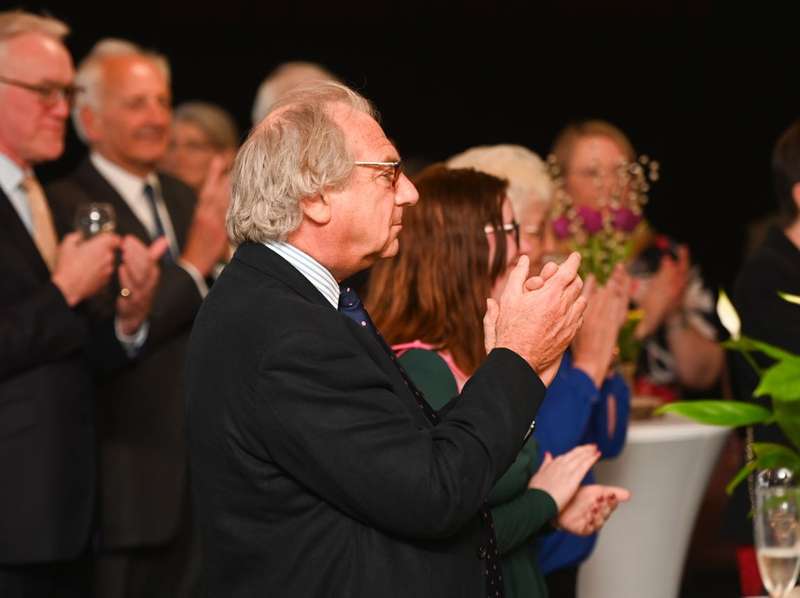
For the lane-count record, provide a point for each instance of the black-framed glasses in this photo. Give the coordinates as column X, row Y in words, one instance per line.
column 49, row 94
column 507, row 227
column 397, row 168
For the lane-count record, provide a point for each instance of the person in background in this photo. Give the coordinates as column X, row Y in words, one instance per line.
column 284, row 78
column 47, row 335
column 588, row 402
column 201, row 132
column 146, row 545
column 774, row 267
column 678, row 328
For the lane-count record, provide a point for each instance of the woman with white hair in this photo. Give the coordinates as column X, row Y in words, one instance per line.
column 588, row 401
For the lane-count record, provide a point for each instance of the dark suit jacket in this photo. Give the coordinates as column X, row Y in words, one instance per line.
column 140, row 423
column 47, row 447
column 314, row 470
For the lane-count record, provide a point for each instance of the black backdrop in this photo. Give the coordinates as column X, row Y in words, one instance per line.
column 703, row 93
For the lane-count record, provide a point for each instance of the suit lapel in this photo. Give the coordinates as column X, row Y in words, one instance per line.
column 19, row 238
column 100, row 190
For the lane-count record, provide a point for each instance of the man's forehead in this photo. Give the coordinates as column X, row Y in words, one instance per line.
column 36, row 55
column 363, row 133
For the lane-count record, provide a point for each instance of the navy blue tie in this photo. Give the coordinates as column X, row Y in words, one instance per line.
column 350, row 305
column 150, row 194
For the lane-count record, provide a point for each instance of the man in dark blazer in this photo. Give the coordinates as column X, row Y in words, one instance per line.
column 47, row 440
column 145, row 541
column 317, row 468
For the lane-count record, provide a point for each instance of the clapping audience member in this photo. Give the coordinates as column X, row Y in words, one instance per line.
column 587, row 402
column 458, row 247
column 146, row 545
column 47, row 432
column 677, row 330
column 202, row 135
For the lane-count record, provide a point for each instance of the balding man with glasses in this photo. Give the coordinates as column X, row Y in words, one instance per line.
column 48, row 334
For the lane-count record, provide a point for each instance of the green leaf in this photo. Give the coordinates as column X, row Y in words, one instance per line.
column 740, row 476
column 781, row 381
column 790, row 298
column 745, row 344
column 720, row 413
column 787, row 416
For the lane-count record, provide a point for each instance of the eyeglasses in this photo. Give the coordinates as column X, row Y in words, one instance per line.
column 49, row 94
column 397, row 168
column 508, row 227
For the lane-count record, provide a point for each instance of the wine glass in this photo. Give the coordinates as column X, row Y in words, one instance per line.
column 777, row 534
column 94, row 218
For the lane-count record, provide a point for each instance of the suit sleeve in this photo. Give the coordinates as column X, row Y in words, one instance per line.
column 332, row 419
column 38, row 330
column 175, row 305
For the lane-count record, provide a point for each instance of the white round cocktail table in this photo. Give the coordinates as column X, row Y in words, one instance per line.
column 666, row 465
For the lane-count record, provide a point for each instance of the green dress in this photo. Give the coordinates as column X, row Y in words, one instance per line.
column 519, row 513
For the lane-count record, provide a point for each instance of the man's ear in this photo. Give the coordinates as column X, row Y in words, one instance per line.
column 88, row 118
column 317, row 208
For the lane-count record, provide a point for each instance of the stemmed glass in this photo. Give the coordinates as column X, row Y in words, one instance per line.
column 776, row 522
column 94, row 218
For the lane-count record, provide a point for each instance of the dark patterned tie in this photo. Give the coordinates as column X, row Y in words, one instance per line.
column 150, row 194
column 350, row 305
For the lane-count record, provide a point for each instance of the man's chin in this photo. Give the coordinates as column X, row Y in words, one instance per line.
column 391, row 249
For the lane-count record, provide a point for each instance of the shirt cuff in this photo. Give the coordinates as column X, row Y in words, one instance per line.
column 132, row 342
column 199, row 282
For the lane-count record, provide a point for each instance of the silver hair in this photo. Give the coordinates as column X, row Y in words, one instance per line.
column 528, row 179
column 215, row 122
column 283, row 79
column 297, row 152
column 89, row 76
column 18, row 22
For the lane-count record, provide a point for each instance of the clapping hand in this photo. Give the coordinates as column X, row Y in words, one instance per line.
column 590, row 508
column 139, row 274
column 207, row 240
column 537, row 318
column 561, row 477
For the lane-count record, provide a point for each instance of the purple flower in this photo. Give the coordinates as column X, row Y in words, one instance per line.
column 624, row 219
column 561, row 227
column 592, row 219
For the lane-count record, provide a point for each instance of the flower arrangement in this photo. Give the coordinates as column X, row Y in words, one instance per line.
column 607, row 234
column 604, row 235
column 780, row 381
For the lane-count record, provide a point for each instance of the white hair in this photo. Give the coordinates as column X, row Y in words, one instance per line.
column 528, row 179
column 297, row 152
column 90, row 73
column 283, row 79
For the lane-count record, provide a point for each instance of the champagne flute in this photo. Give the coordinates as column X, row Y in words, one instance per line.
column 94, row 218
column 777, row 537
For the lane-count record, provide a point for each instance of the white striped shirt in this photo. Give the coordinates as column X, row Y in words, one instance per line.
column 315, row 272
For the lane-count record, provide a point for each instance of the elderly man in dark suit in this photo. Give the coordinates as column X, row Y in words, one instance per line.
column 47, row 440
column 318, row 468
column 145, row 541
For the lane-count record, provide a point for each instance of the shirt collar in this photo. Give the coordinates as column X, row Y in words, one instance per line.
column 128, row 185
column 317, row 274
column 11, row 175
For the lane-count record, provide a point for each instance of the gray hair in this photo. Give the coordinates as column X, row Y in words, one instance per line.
column 90, row 73
column 17, row 22
column 215, row 122
column 528, row 179
column 283, row 79
column 297, row 152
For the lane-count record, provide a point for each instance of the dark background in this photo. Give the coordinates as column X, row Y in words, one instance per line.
column 704, row 93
